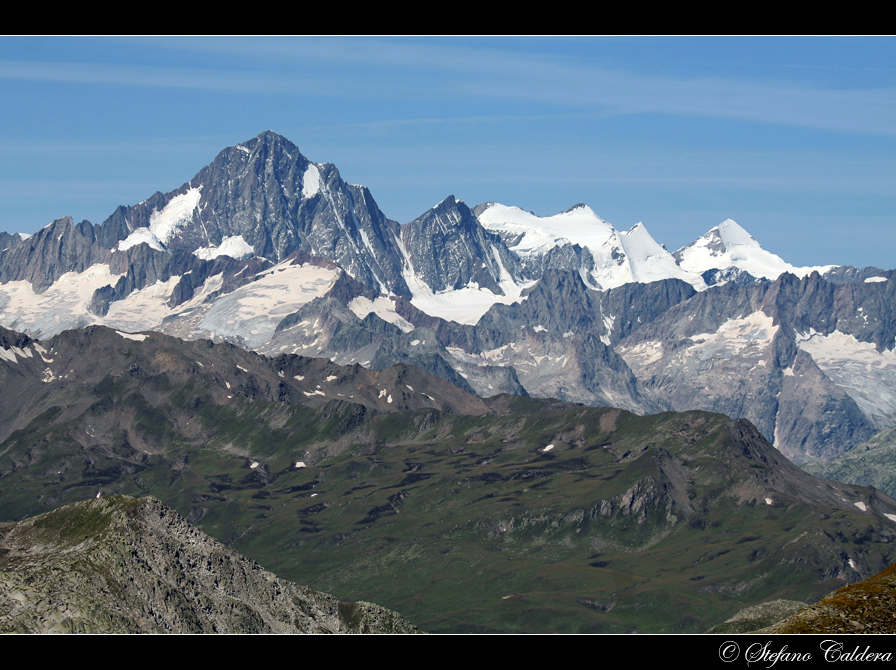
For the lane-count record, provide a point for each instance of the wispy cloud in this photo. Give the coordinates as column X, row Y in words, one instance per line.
column 494, row 74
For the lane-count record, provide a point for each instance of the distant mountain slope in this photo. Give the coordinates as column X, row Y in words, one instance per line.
column 124, row 565
column 810, row 362
column 871, row 463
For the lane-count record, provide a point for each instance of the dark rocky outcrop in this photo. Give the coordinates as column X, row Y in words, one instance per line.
column 449, row 249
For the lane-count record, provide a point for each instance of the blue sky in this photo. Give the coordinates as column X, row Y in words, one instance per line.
column 792, row 137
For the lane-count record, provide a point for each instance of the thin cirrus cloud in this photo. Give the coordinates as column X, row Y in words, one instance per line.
column 427, row 74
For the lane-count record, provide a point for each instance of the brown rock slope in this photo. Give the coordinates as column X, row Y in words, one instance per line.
column 866, row 607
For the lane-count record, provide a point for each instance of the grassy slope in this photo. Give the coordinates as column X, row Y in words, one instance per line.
column 460, row 523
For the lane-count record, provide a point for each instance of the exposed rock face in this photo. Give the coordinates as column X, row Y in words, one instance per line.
column 449, row 249
column 61, row 247
column 125, row 565
column 277, row 201
column 806, row 360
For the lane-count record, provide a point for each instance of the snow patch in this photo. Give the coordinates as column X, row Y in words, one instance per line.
column 643, row 353
column 310, row 181
column 63, row 306
column 234, row 246
column 383, row 307
column 862, row 506
column 465, row 305
column 137, row 337
column 174, row 215
column 867, row 375
column 750, row 335
column 260, row 305
column 141, row 236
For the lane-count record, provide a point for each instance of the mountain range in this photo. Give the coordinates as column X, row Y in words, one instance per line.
column 542, row 409
column 270, row 251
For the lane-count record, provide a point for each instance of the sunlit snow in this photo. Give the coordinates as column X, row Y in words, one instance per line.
column 63, row 306
column 750, row 335
column 867, row 375
column 235, row 247
column 383, row 307
column 253, row 311
column 729, row 245
column 174, row 215
column 310, row 181
column 141, row 236
column 137, row 337
column 619, row 257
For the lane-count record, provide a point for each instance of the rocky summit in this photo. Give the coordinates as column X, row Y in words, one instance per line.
column 125, row 565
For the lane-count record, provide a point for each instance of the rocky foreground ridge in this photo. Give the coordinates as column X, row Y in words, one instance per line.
column 129, row 565
column 866, row 607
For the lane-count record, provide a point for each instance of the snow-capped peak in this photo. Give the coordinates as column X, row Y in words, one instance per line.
column 734, row 235
column 537, row 235
column 729, row 245
column 618, row 258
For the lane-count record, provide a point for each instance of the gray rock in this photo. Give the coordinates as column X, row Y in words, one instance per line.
column 126, row 565
column 758, row 616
